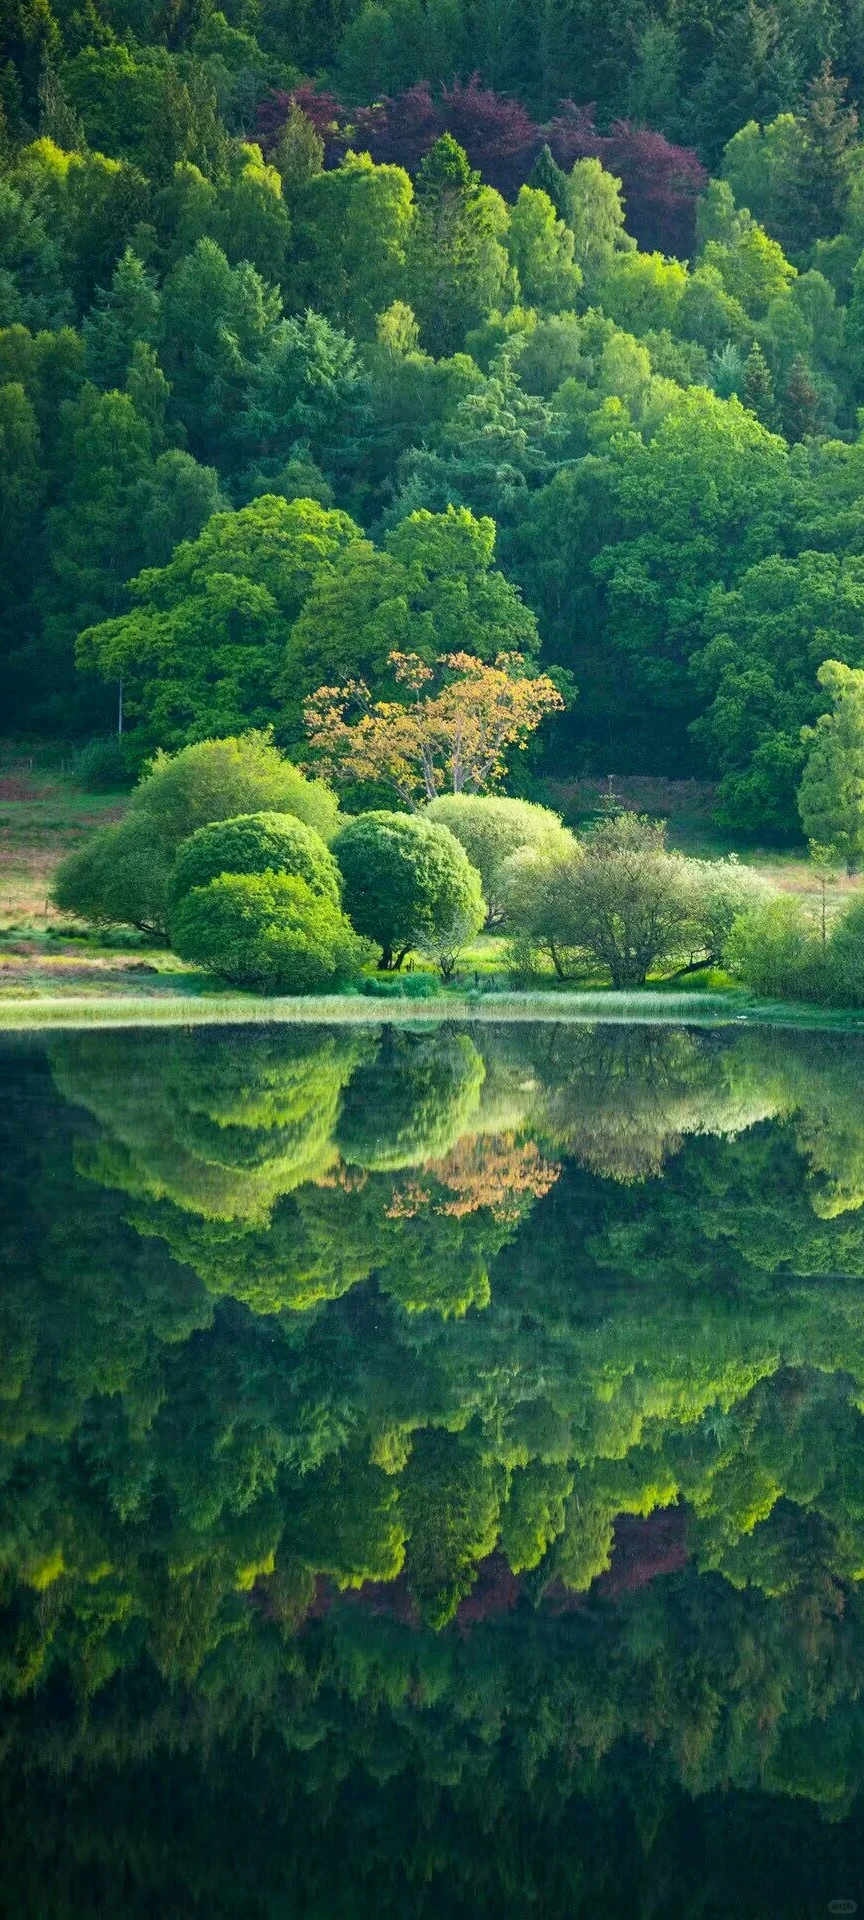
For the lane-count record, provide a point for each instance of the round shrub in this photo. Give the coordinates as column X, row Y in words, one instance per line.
column 101, row 766
column 254, row 843
column 269, row 932
column 219, row 779
column 405, row 880
column 491, row 829
column 117, row 877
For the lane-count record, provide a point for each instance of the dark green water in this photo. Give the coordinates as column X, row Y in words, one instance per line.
column 431, row 1475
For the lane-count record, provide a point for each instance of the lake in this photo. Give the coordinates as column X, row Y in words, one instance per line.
column 431, row 1473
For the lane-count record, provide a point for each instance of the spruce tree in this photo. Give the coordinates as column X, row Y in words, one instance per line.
column 759, row 387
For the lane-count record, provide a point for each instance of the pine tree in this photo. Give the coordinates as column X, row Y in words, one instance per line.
column 800, row 401
column 759, row 387
column 122, row 314
column 550, row 178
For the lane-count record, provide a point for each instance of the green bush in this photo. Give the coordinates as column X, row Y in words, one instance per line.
column 254, row 843
column 539, row 891
column 101, row 766
column 721, row 891
column 269, row 932
column 777, row 952
column 491, row 829
column 407, row 881
column 213, row 780
column 117, row 877
column 219, row 779
column 846, row 956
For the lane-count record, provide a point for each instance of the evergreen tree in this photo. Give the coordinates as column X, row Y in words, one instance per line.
column 759, row 387
column 831, row 795
column 799, row 403
column 457, row 269
column 127, row 311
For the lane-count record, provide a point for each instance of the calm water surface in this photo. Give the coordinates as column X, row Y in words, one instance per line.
column 431, row 1475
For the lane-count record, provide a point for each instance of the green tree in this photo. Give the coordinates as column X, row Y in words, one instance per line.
column 118, row 508
column 404, row 879
column 123, row 314
column 831, row 794
column 764, row 642
column 540, row 248
column 203, row 651
column 491, row 828
column 122, row 874
column 117, row 877
column 433, row 589
column 633, row 905
column 776, row 950
column 456, row 269
column 217, row 321
column 352, row 227
column 758, row 392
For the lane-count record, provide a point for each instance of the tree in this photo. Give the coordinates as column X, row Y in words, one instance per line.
column 491, row 828
column 126, row 312
column 432, row 590
column 776, row 950
column 831, row 794
column 253, row 843
column 118, row 877
column 758, row 392
column 540, row 247
column 302, row 393
column 764, row 640
column 405, row 879
column 202, row 652
column 352, row 228
column 456, row 268
column 217, row 320
column 800, row 405
column 298, row 154
column 116, row 508
column 632, row 905
column 219, row 779
column 592, row 206
column 457, row 737
column 269, row 932
column 122, row 873
column 540, row 891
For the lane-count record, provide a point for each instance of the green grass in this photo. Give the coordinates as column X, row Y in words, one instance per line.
column 220, row 1009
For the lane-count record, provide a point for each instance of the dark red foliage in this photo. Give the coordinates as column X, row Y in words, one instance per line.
column 323, row 109
column 661, row 182
column 499, row 136
column 399, row 131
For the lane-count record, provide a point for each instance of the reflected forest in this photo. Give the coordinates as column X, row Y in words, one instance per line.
column 439, row 1448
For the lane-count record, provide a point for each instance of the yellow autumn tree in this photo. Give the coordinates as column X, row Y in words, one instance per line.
column 454, row 732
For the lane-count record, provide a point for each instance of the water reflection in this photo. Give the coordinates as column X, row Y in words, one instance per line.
column 414, row 1437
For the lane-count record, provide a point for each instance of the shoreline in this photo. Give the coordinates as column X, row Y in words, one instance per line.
column 637, row 1008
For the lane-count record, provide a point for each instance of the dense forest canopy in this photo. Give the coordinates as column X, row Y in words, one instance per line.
column 274, row 282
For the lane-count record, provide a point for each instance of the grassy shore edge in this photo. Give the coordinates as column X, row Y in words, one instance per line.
column 641, row 1008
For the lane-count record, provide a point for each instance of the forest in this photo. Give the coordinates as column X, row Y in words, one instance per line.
column 332, row 335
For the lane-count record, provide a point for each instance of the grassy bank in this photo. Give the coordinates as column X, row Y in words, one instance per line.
column 648, row 1007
